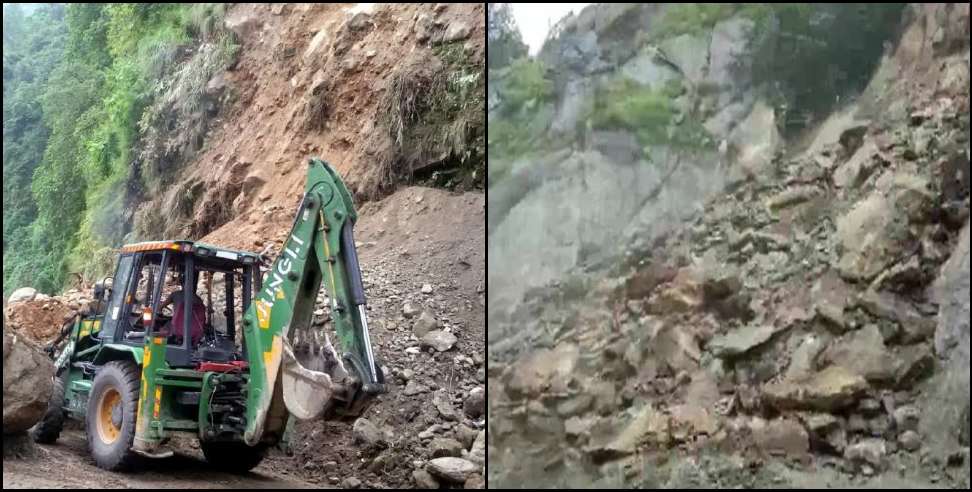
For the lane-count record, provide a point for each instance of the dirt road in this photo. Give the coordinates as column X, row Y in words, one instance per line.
column 67, row 465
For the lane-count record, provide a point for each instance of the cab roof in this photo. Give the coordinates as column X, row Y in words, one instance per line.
column 194, row 247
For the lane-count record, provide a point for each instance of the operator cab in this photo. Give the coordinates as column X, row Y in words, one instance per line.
column 193, row 294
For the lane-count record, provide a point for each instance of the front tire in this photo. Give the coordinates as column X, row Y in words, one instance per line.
column 110, row 419
column 233, row 457
column 49, row 428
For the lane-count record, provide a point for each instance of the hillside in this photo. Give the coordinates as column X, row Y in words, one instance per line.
column 136, row 122
column 742, row 241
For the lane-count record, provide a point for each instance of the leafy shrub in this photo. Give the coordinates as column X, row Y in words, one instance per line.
column 693, row 18
column 77, row 80
column 526, row 81
column 627, row 105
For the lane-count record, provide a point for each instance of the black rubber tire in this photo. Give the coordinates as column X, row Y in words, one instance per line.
column 233, row 457
column 123, row 376
column 49, row 428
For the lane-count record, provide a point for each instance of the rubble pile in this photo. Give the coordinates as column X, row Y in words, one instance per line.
column 794, row 319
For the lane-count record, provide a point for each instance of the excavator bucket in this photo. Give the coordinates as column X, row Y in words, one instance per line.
column 308, row 386
column 320, row 376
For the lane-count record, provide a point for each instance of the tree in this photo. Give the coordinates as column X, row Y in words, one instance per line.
column 504, row 43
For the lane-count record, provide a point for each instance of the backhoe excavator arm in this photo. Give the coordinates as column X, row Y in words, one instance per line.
column 294, row 365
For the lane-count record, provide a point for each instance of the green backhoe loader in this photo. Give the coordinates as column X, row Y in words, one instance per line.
column 152, row 359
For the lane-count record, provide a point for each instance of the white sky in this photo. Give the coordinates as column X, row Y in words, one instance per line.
column 536, row 19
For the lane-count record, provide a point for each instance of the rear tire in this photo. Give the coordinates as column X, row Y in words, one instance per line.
column 233, row 457
column 49, row 428
column 110, row 419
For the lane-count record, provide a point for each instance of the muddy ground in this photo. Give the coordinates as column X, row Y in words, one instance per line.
column 68, row 465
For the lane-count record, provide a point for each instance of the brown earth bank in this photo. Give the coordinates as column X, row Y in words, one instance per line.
column 321, row 80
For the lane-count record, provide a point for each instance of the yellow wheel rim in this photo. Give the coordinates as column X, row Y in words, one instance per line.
column 110, row 403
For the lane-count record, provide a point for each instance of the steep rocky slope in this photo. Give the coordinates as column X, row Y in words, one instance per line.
column 320, row 80
column 805, row 325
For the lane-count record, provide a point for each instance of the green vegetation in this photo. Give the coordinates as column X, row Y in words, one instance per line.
column 838, row 47
column 77, row 81
column 693, row 18
column 526, row 111
column 433, row 114
column 625, row 104
column 648, row 113
column 505, row 43
column 526, row 84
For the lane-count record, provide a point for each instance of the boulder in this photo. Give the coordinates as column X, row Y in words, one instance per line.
column 477, row 454
column 803, row 362
column 544, row 368
column 913, row 196
column 872, row 236
column 683, row 293
column 475, row 404
column 648, row 428
column 915, row 327
column 452, row 470
column 742, row 340
column 863, row 353
column 870, row 452
column 368, row 434
column 831, row 297
column 442, row 401
column 440, row 340
column 781, row 437
column 456, row 31
column 913, row 363
column 475, row 482
column 688, row 421
column 466, row 435
column 756, row 140
column 791, row 197
column 951, row 291
column 826, row 432
column 244, row 25
column 425, row 324
column 19, row 446
column 909, row 441
column 830, row 390
column 906, row 418
column 27, row 382
column 39, row 319
column 22, row 294
column 424, row 480
column 409, row 310
column 858, row 168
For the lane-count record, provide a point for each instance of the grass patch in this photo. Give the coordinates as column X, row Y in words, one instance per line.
column 435, row 115
column 626, row 105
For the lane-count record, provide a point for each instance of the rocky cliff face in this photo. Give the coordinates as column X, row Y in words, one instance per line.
column 812, row 310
